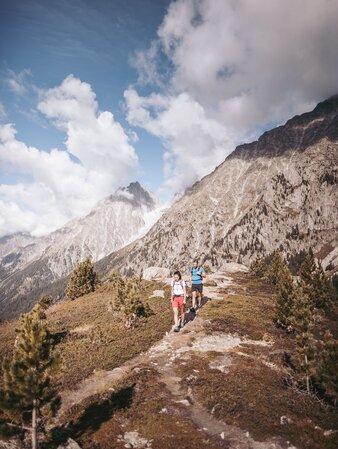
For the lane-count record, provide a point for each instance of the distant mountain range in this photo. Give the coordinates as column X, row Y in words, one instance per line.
column 29, row 264
column 279, row 192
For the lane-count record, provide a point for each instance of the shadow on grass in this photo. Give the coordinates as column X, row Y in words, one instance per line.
column 92, row 417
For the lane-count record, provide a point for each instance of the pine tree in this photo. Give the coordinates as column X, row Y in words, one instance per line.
column 27, row 378
column 133, row 306
column 83, row 280
column 115, row 279
column 118, row 301
column 276, row 266
column 315, row 283
column 258, row 267
column 307, row 268
column 45, row 301
column 328, row 366
column 302, row 320
column 285, row 298
column 323, row 292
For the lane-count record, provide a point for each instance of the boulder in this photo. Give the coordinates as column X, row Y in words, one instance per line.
column 156, row 273
column 70, row 444
column 233, row 267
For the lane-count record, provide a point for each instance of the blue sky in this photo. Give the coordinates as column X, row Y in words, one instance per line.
column 95, row 94
column 94, row 40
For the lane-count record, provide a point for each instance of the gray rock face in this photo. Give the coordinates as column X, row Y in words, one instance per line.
column 29, row 267
column 277, row 192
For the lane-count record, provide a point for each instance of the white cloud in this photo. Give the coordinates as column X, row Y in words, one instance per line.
column 17, row 82
column 186, row 131
column 245, row 64
column 147, row 64
column 60, row 187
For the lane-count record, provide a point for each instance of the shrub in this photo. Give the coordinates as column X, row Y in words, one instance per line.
column 83, row 280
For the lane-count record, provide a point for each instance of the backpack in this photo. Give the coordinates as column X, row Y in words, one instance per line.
column 195, row 269
column 178, row 282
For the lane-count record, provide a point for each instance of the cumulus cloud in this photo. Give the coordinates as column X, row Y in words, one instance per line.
column 245, row 64
column 62, row 184
column 186, row 131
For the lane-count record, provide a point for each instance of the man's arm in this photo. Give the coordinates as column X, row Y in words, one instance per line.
column 201, row 272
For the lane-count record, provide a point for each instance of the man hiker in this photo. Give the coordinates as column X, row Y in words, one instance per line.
column 197, row 274
column 178, row 299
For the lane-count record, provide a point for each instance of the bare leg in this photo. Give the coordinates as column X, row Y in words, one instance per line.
column 200, row 296
column 175, row 309
column 194, row 299
column 182, row 316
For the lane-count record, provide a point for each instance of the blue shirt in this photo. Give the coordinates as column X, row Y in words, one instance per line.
column 196, row 278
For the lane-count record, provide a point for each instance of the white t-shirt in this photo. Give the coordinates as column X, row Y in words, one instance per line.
column 178, row 287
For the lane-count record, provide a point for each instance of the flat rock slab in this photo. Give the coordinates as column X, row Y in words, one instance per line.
column 158, row 293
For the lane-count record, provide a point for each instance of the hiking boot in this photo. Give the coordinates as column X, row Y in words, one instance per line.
column 192, row 310
column 176, row 329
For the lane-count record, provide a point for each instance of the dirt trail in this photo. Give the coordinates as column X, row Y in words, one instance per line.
column 164, row 356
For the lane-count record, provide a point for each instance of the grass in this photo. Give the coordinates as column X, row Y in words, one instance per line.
column 90, row 337
column 254, row 397
column 248, row 312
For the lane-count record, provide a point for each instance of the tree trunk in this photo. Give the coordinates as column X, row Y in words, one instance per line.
column 34, row 426
column 307, row 376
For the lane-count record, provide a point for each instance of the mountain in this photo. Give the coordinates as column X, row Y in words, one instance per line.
column 10, row 243
column 277, row 192
column 34, row 263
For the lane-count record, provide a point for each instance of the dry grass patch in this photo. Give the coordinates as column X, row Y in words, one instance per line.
column 254, row 397
column 90, row 337
column 246, row 315
column 151, row 413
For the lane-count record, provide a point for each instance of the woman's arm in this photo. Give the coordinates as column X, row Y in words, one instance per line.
column 184, row 293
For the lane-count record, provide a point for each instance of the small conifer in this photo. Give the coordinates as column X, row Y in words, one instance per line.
column 315, row 283
column 45, row 301
column 277, row 265
column 258, row 267
column 27, row 378
column 83, row 280
column 133, row 306
column 328, row 366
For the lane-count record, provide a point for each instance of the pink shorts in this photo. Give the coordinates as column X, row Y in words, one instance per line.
column 178, row 301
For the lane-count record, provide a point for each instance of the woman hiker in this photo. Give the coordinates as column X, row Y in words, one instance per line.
column 178, row 299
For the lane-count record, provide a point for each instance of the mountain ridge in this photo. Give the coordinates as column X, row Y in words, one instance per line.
column 113, row 223
column 288, row 175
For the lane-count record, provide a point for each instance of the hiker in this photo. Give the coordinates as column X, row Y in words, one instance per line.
column 178, row 299
column 197, row 274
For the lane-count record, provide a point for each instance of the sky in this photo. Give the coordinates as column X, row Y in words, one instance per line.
column 95, row 94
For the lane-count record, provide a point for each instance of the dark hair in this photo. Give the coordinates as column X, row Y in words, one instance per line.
column 178, row 274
